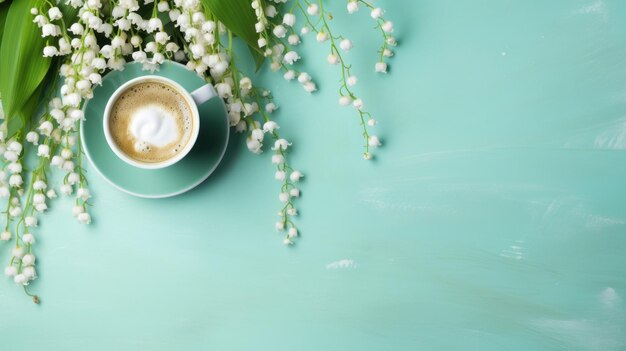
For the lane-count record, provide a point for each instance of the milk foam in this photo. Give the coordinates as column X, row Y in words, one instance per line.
column 153, row 126
column 151, row 122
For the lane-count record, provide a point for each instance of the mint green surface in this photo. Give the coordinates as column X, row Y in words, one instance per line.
column 173, row 180
column 493, row 218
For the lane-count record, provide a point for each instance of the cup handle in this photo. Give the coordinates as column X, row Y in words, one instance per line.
column 203, row 94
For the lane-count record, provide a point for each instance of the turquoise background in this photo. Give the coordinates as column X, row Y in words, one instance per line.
column 493, row 218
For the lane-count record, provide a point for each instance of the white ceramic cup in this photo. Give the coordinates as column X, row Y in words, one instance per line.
column 195, row 98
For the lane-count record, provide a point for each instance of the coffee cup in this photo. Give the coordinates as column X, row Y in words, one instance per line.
column 152, row 122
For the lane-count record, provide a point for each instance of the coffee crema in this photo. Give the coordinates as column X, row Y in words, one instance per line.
column 151, row 122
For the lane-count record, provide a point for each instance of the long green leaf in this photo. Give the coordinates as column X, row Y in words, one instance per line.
column 4, row 9
column 22, row 66
column 258, row 58
column 25, row 114
column 238, row 16
column 69, row 13
column 31, row 109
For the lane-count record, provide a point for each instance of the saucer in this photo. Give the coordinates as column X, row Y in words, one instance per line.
column 176, row 179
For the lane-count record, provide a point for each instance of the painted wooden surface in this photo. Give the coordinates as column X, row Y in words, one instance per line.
column 493, row 218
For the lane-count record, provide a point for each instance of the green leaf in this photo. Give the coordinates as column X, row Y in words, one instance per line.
column 4, row 9
column 22, row 66
column 258, row 58
column 24, row 117
column 25, row 114
column 238, row 16
column 69, row 13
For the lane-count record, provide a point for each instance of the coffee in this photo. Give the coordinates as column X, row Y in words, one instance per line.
column 151, row 122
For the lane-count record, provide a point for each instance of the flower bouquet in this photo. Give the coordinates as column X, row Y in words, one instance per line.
column 53, row 55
